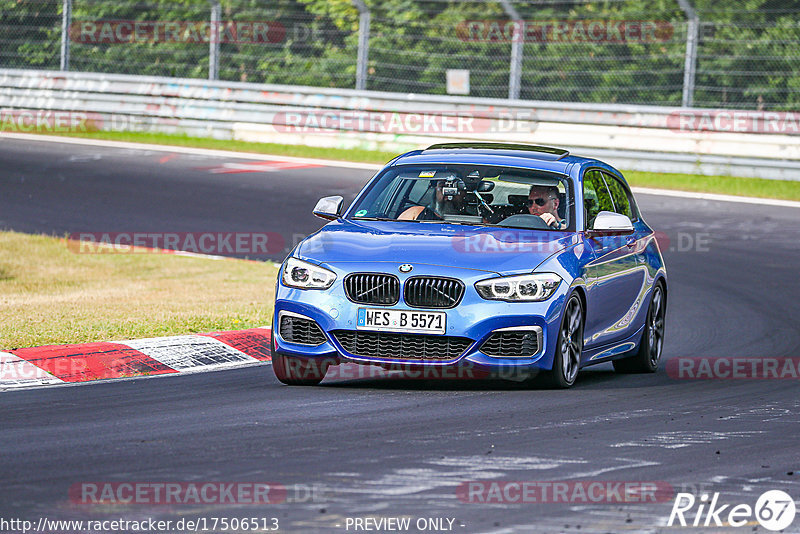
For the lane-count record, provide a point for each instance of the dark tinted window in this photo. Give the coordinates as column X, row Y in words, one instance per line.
column 622, row 200
column 596, row 197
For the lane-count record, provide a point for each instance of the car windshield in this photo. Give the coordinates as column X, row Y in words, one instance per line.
column 469, row 194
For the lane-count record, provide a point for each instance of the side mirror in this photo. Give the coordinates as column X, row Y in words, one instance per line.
column 329, row 208
column 610, row 223
column 485, row 186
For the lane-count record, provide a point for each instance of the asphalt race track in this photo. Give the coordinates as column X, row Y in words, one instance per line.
column 388, row 448
column 61, row 188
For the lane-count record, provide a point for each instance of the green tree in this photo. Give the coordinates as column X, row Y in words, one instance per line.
column 30, row 33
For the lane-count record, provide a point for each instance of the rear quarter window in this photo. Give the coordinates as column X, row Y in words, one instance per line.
column 623, row 200
column 596, row 197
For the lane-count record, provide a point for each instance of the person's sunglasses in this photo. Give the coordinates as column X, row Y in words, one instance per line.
column 537, row 201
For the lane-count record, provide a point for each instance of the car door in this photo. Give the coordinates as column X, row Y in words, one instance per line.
column 614, row 279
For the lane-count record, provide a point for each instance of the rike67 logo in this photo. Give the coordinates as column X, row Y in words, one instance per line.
column 774, row 510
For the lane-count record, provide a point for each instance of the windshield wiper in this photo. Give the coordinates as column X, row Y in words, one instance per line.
column 526, row 228
column 424, row 221
column 453, row 222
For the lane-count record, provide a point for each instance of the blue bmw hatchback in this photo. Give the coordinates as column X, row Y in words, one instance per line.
column 490, row 257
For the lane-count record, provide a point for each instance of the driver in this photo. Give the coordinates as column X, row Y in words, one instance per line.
column 543, row 201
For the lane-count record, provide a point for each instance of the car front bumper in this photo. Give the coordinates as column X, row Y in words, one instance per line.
column 473, row 318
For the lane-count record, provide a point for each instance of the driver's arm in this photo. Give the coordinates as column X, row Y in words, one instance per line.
column 419, row 213
column 411, row 213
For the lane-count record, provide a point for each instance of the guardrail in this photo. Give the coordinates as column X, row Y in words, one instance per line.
column 650, row 138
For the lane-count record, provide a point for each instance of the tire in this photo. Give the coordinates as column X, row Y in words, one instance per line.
column 298, row 371
column 569, row 347
column 648, row 356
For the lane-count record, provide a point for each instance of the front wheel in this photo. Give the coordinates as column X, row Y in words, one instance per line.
column 649, row 355
column 298, row 371
column 567, row 360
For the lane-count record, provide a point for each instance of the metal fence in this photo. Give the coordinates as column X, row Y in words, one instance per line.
column 705, row 53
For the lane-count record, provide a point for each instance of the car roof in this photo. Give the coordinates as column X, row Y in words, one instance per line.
column 505, row 154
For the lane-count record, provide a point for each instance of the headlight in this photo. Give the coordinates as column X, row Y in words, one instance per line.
column 304, row 275
column 526, row 287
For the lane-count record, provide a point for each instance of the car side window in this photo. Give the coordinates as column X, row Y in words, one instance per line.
column 622, row 199
column 596, row 197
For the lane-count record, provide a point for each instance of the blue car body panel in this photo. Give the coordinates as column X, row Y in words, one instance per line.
column 614, row 275
column 497, row 250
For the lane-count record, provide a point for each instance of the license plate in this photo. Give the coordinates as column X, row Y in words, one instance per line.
column 425, row 322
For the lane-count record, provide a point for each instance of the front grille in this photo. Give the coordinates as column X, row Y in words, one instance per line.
column 398, row 346
column 369, row 288
column 512, row 343
column 300, row 330
column 433, row 292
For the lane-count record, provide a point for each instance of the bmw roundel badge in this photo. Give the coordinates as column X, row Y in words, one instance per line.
column 406, row 268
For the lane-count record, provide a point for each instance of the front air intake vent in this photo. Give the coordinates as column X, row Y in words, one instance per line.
column 512, row 343
column 401, row 346
column 301, row 330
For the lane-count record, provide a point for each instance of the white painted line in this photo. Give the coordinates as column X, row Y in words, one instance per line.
column 714, row 196
column 354, row 165
column 625, row 464
column 189, row 150
column 204, row 256
column 190, row 353
column 18, row 373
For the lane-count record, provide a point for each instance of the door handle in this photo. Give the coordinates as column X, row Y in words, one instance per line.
column 630, row 241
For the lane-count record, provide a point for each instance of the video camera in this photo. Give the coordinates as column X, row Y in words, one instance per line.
column 451, row 187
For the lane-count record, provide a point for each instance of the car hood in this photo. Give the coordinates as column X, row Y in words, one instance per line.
column 490, row 249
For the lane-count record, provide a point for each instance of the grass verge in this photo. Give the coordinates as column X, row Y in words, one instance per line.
column 726, row 185
column 49, row 295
